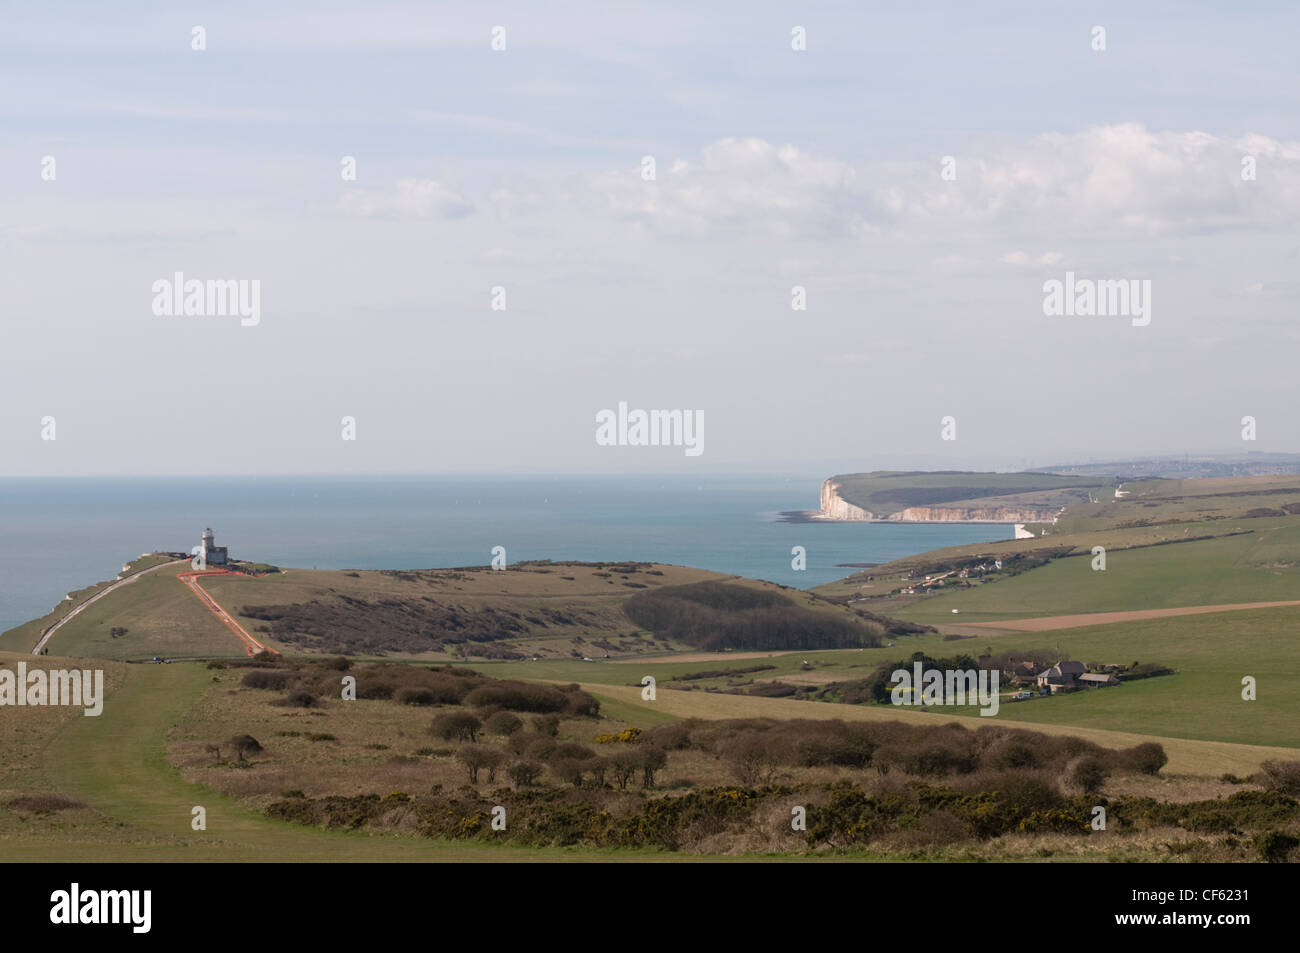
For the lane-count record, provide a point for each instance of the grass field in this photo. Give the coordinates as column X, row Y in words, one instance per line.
column 139, row 807
column 1253, row 567
column 134, row 805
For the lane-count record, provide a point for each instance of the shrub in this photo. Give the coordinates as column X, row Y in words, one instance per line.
column 245, row 745
column 623, row 765
column 416, row 696
column 456, row 726
column 749, row 758
column 300, row 699
column 503, row 723
column 653, row 761
column 547, row 725
column 376, row 691
column 1013, row 754
column 274, row 681
column 477, row 757
column 1088, row 774
column 44, row 803
column 1281, row 776
column 568, row 770
column 518, row 696
column 1273, row 846
column 524, row 773
column 1147, row 758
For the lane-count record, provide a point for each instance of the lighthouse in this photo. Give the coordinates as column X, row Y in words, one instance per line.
column 213, row 555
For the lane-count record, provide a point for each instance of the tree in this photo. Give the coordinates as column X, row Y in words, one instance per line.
column 524, row 773
column 652, row 761
column 623, row 766
column 503, row 723
column 748, row 757
column 477, row 757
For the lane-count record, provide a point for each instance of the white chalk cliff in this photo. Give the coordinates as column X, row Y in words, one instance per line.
column 835, row 507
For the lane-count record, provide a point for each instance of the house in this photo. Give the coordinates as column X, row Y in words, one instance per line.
column 1023, row 673
column 1060, row 676
column 1097, row 679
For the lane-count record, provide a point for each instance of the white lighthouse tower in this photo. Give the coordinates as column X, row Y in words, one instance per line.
column 213, row 555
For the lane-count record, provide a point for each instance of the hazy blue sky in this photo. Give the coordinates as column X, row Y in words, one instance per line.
column 521, row 168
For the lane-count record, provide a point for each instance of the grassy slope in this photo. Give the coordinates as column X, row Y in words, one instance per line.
column 164, row 618
column 139, row 806
column 1245, row 568
column 1211, row 653
column 24, row 637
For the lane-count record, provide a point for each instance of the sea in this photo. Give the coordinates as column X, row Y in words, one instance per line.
column 57, row 535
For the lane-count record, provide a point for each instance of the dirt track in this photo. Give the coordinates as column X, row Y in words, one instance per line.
column 1048, row 623
column 251, row 645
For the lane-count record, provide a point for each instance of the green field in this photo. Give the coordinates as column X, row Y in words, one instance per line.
column 1253, row 567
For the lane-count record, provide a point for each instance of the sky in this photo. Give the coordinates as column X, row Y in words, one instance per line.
column 502, row 268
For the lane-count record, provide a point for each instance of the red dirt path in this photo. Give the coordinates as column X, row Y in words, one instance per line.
column 251, row 645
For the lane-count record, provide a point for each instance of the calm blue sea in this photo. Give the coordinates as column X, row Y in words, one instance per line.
column 61, row 534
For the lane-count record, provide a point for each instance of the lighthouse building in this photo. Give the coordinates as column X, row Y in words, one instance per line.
column 213, row 555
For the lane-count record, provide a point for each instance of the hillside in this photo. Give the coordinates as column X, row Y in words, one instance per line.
column 542, row 610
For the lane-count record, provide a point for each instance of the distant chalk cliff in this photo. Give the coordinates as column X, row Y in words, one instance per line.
column 834, row 507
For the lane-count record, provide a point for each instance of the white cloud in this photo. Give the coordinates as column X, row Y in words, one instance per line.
column 1102, row 180
column 409, row 199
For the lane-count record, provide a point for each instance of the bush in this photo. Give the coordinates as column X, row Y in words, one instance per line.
column 477, row 757
column 653, row 760
column 1147, row 758
column 245, row 744
column 622, row 766
column 416, row 696
column 44, row 804
column 273, row 681
column 1088, row 774
column 524, row 773
column 1281, row 776
column 547, row 725
column 376, row 691
column 300, row 699
column 1273, row 846
column 503, row 723
column 456, row 726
